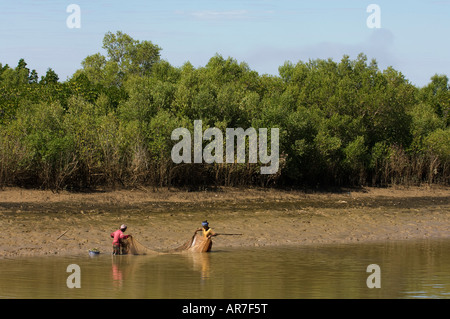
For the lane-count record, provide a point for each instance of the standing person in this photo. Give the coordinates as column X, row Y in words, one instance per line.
column 118, row 235
column 207, row 231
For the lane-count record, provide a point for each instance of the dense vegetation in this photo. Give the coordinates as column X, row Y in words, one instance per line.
column 344, row 123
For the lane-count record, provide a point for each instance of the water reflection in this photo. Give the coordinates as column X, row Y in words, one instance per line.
column 200, row 262
column 408, row 270
column 116, row 273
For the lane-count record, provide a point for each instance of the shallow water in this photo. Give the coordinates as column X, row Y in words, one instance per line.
column 408, row 269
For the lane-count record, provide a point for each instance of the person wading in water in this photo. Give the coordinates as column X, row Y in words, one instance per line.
column 207, row 231
column 207, row 234
column 118, row 235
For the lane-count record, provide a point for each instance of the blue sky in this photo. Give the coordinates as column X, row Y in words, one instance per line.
column 413, row 38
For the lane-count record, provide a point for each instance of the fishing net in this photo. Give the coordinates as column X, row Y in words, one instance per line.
column 197, row 244
column 131, row 246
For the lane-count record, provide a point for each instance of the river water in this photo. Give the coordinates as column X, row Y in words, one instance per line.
column 407, row 269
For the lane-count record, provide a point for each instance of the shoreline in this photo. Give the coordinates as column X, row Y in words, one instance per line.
column 42, row 223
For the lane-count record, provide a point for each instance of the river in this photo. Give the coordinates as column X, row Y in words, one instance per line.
column 407, row 269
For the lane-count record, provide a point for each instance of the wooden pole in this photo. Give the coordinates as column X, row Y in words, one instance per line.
column 62, row 234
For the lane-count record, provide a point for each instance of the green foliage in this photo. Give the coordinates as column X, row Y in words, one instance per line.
column 50, row 77
column 438, row 143
column 437, row 95
column 340, row 123
column 45, row 148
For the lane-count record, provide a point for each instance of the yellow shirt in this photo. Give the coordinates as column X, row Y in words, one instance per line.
column 208, row 232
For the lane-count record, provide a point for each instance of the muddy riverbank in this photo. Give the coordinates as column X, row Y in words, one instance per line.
column 44, row 223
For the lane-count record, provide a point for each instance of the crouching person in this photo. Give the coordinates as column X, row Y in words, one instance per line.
column 118, row 236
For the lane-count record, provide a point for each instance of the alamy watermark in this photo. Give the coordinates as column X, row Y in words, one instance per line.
column 374, row 280
column 74, row 19
column 374, row 20
column 74, row 279
column 213, row 152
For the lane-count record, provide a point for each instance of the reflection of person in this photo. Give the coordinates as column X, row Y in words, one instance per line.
column 201, row 263
column 118, row 235
column 117, row 275
column 207, row 231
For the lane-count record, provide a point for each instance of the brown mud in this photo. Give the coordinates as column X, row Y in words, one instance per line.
column 37, row 223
